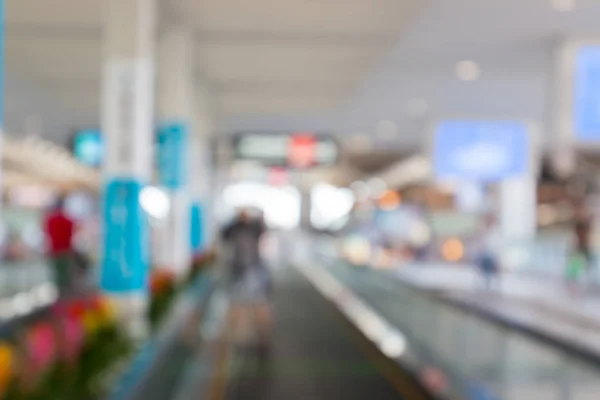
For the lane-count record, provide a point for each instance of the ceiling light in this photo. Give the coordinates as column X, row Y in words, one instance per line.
column 563, row 5
column 155, row 202
column 417, row 107
column 387, row 129
column 468, row 70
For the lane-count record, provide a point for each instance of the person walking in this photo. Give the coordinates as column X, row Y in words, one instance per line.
column 59, row 230
column 251, row 282
column 583, row 254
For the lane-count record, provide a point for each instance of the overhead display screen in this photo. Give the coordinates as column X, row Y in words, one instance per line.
column 295, row 150
column 586, row 107
column 88, row 147
column 480, row 151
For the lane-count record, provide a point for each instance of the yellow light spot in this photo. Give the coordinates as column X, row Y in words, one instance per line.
column 453, row 250
column 390, row 200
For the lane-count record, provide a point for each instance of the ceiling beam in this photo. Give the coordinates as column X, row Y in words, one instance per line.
column 296, row 38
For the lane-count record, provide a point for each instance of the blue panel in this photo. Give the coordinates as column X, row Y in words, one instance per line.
column 172, row 154
column 125, row 262
column 480, row 151
column 2, row 39
column 587, row 94
column 197, row 228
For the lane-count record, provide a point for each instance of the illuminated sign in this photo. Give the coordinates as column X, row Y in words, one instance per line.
column 88, row 147
column 480, row 151
column 172, row 154
column 587, row 94
column 126, row 255
column 299, row 150
column 302, row 150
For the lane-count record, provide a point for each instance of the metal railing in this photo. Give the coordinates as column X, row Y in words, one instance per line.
column 161, row 368
column 479, row 358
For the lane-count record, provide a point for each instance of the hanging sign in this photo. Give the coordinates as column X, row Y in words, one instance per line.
column 125, row 263
column 172, row 154
column 480, row 151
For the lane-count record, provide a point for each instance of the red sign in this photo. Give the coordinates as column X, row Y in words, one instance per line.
column 277, row 176
column 302, row 151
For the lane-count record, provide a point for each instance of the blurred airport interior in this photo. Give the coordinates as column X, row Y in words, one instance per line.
column 299, row 199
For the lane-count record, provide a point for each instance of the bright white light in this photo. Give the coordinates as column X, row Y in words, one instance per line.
column 482, row 158
column 564, row 5
column 22, row 303
column 377, row 187
column 372, row 326
column 468, row 70
column 46, row 293
column 281, row 205
column 155, row 202
column 329, row 204
column 419, row 233
column 393, row 345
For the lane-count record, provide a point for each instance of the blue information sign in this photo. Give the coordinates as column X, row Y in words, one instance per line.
column 125, row 263
column 172, row 154
column 587, row 94
column 480, row 151
column 197, row 228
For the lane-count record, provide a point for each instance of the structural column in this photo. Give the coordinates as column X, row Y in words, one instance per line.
column 200, row 191
column 127, row 122
column 177, row 130
column 517, row 211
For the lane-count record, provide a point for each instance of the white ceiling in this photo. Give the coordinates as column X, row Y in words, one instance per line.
column 332, row 65
column 261, row 57
column 512, row 40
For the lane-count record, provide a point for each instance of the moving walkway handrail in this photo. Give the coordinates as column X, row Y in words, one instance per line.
column 147, row 377
column 478, row 358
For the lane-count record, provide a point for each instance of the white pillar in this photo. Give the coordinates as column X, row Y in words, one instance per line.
column 127, row 122
column 203, row 179
column 201, row 189
column 560, row 110
column 517, row 211
column 176, row 106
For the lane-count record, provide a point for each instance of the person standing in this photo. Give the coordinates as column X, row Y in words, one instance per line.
column 487, row 254
column 250, row 279
column 583, row 240
column 59, row 230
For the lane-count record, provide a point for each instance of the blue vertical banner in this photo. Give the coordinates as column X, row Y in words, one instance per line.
column 586, row 108
column 197, row 237
column 172, row 154
column 125, row 266
column 2, row 39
